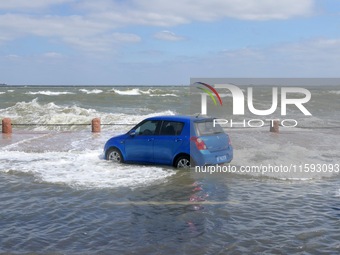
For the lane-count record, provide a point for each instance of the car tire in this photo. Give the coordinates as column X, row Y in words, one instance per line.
column 183, row 162
column 114, row 155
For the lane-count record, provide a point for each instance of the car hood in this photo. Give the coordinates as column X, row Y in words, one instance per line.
column 115, row 140
column 123, row 136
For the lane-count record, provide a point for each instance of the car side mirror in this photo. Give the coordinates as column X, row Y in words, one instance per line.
column 132, row 133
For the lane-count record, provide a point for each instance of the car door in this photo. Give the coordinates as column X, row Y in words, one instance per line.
column 167, row 143
column 139, row 146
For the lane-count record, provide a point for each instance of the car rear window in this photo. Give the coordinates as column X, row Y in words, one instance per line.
column 207, row 128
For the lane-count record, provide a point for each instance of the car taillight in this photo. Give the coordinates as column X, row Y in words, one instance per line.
column 229, row 140
column 199, row 143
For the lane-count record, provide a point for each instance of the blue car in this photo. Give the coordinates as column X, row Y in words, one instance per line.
column 179, row 141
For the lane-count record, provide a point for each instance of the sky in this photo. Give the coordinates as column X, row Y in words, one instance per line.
column 161, row 42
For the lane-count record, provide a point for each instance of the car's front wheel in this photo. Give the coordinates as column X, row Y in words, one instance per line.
column 114, row 155
column 183, row 162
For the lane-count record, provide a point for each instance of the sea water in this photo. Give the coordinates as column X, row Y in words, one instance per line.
column 59, row 195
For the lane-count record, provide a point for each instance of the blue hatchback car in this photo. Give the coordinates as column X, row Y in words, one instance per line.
column 179, row 141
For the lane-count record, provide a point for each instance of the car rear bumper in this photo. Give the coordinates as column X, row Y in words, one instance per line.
column 205, row 157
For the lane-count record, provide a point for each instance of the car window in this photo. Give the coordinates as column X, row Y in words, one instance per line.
column 208, row 128
column 171, row 128
column 147, row 128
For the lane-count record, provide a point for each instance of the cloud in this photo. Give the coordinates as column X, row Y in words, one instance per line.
column 184, row 11
column 32, row 4
column 12, row 57
column 85, row 23
column 176, row 12
column 102, row 43
column 309, row 58
column 52, row 55
column 18, row 24
column 83, row 33
column 168, row 36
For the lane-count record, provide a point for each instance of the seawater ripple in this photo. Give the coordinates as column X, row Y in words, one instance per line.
column 299, row 218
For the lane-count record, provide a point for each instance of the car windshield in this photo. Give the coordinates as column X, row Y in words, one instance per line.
column 208, row 128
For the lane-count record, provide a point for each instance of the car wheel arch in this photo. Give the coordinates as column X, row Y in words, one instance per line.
column 180, row 155
column 110, row 149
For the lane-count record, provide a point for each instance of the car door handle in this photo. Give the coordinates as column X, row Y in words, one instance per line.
column 150, row 139
column 178, row 140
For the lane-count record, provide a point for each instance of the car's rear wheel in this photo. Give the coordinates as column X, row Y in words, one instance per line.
column 183, row 162
column 114, row 155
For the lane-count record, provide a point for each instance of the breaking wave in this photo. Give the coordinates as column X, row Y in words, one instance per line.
column 50, row 93
column 94, row 91
column 150, row 92
column 34, row 112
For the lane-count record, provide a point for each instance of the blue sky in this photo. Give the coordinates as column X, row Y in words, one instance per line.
column 159, row 42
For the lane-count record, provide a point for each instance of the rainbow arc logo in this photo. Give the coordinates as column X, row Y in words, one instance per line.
column 211, row 91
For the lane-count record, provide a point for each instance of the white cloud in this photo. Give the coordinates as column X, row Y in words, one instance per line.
column 52, row 55
column 166, row 35
column 19, row 25
column 95, row 22
column 139, row 17
column 86, row 34
column 102, row 43
column 12, row 57
column 203, row 10
column 29, row 4
column 309, row 58
column 176, row 12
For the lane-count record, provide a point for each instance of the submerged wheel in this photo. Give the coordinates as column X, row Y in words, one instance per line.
column 114, row 155
column 183, row 162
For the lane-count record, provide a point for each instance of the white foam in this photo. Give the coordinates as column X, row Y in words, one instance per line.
column 337, row 193
column 81, row 169
column 129, row 92
column 336, row 92
column 49, row 93
column 136, row 92
column 35, row 112
column 94, row 91
column 164, row 95
column 1, row 93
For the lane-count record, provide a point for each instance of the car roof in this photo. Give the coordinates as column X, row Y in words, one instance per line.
column 180, row 118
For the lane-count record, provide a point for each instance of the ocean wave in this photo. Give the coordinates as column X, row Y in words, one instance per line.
column 49, row 93
column 94, row 91
column 129, row 92
column 1, row 93
column 34, row 112
column 150, row 92
column 336, row 92
column 164, row 95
